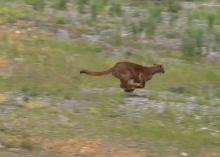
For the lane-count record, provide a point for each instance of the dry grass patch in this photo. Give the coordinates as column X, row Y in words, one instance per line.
column 88, row 147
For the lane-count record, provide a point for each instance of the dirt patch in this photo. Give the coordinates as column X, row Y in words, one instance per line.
column 88, row 147
column 4, row 62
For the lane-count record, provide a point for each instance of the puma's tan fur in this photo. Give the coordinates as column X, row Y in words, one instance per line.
column 131, row 75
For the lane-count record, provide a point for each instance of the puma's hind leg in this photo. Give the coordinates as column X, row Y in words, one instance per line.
column 126, row 77
column 127, row 88
column 127, row 83
column 130, row 87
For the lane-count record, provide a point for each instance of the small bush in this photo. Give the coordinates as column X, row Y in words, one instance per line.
column 135, row 29
column 217, row 92
column 148, row 24
column 94, row 10
column 151, row 27
column 115, row 9
column 193, row 42
column 173, row 6
column 60, row 4
column 81, row 5
column 37, row 4
column 177, row 89
column 61, row 20
column 116, row 38
column 211, row 17
column 153, row 96
column 155, row 13
column 11, row 15
column 202, row 101
column 173, row 17
column 26, row 144
column 217, row 42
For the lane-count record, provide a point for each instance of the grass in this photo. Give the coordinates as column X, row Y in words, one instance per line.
column 12, row 15
column 58, row 64
column 160, row 127
column 37, row 64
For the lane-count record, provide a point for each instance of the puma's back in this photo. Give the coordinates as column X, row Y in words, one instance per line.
column 129, row 65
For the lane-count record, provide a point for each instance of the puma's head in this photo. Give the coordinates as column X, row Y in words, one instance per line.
column 159, row 68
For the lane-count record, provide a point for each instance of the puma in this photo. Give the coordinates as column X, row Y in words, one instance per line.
column 131, row 75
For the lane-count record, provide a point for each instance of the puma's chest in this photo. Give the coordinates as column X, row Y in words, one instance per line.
column 149, row 76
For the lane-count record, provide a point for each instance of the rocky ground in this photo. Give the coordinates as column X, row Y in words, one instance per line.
column 50, row 123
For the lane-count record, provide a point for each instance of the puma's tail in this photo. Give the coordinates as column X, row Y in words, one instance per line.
column 101, row 73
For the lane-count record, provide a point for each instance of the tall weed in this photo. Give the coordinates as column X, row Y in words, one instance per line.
column 193, row 42
column 38, row 5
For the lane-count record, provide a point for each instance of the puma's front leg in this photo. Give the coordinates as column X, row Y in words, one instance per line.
column 132, row 83
column 142, row 81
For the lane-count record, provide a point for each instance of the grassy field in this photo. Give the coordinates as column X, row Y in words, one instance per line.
column 49, row 109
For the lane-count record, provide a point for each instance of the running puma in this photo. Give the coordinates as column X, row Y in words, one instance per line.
column 131, row 75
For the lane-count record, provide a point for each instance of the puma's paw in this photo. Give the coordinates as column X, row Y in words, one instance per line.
column 138, row 85
column 129, row 90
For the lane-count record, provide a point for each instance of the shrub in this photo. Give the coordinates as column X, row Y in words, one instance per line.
column 60, row 4
column 211, row 17
column 173, row 6
column 115, row 9
column 81, row 5
column 193, row 42
column 37, row 4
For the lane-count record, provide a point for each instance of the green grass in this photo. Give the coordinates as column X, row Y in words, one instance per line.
column 43, row 65
column 158, row 129
column 52, row 66
column 58, row 64
column 12, row 14
column 56, row 61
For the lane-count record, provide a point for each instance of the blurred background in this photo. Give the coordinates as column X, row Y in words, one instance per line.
column 48, row 109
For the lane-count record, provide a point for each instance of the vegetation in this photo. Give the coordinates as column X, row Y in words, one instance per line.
column 46, row 105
